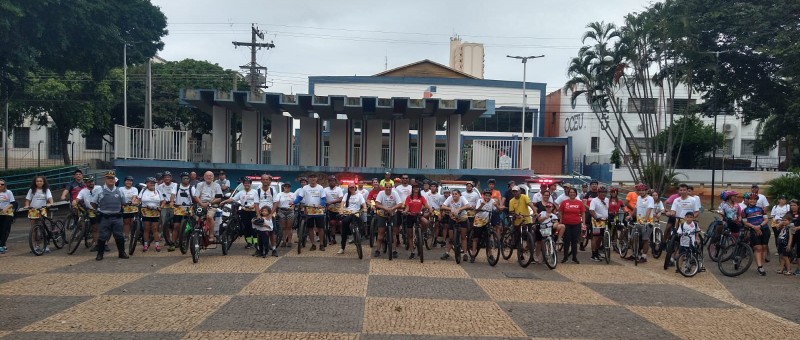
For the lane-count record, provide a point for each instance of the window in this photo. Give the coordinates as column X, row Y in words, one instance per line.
column 94, row 141
column 680, row 106
column 642, row 105
column 22, row 137
column 727, row 148
column 748, row 149
column 640, row 144
column 595, row 144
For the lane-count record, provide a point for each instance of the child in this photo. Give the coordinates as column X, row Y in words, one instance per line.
column 784, row 239
column 263, row 226
column 687, row 231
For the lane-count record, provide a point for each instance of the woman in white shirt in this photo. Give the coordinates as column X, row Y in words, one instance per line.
column 777, row 213
column 6, row 214
column 39, row 196
column 151, row 212
column 131, row 206
column 352, row 204
column 284, row 202
column 248, row 199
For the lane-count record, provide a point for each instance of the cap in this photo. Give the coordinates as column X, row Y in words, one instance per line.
column 511, row 182
column 110, row 173
column 491, row 180
column 387, row 173
column 515, row 188
column 783, row 197
column 88, row 179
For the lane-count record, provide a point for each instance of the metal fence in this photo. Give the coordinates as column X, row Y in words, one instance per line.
column 199, row 151
column 759, row 163
column 138, row 143
column 47, row 154
column 495, row 154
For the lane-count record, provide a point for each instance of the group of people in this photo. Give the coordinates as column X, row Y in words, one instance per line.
column 400, row 203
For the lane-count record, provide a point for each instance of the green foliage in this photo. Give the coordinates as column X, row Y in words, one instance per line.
column 788, row 184
column 659, row 177
column 616, row 158
column 698, row 139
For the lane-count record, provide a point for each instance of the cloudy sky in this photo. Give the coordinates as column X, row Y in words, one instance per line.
column 319, row 38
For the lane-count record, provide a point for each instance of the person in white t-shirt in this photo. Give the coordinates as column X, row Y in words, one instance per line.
column 333, row 199
column 680, row 207
column 39, row 196
column 762, row 200
column 695, row 197
column 386, row 204
column 312, row 196
column 248, row 200
column 456, row 205
column 284, row 203
column 265, row 232
column 352, row 204
column 130, row 208
column 598, row 208
column 688, row 230
column 644, row 218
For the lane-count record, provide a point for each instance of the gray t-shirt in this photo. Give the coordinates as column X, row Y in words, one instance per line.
column 207, row 192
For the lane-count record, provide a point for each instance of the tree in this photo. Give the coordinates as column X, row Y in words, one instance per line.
column 698, row 140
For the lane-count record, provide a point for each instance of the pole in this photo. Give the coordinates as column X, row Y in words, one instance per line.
column 6, row 136
column 716, row 113
column 524, row 105
column 125, row 84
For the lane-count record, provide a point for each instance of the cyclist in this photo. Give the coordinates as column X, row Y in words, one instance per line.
column 266, row 197
column 630, row 202
column 777, row 213
column 572, row 215
column 413, row 207
column 313, row 197
column 130, row 194
column 7, row 204
column 333, row 200
column 509, row 194
column 249, row 200
column 167, row 189
column 472, row 196
column 206, row 194
column 755, row 219
column 558, row 228
column 456, row 206
column 387, row 178
column 376, row 189
column 598, row 208
column 687, row 230
column 680, row 206
column 193, row 181
column 73, row 188
column 362, row 191
column 86, row 197
column 182, row 209
column 644, row 216
column 386, row 203
column 587, row 199
column 38, row 196
column 352, row 204
column 108, row 204
column 761, row 199
column 614, row 203
column 485, row 208
column 435, row 200
column 264, row 228
column 284, row 202
column 152, row 203
column 730, row 212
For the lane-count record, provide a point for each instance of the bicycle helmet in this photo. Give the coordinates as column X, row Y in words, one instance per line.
column 129, row 178
column 159, row 175
column 613, row 189
column 602, row 188
column 167, row 173
column 184, row 174
column 150, row 179
column 487, row 191
column 88, row 179
column 247, row 180
column 641, row 187
column 747, row 195
column 491, row 180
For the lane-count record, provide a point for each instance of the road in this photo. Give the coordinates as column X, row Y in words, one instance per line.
column 321, row 295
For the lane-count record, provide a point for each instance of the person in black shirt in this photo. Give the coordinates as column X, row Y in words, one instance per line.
column 508, row 194
column 73, row 188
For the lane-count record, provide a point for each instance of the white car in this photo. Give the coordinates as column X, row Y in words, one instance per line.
column 255, row 185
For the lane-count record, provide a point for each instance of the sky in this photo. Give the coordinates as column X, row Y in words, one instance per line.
column 362, row 37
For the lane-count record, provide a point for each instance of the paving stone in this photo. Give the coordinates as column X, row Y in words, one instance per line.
column 582, row 321
column 457, row 318
column 308, row 284
column 319, row 265
column 606, row 274
column 139, row 313
column 67, row 284
column 19, row 311
column 29, row 264
column 288, row 313
column 511, row 270
column 433, row 268
column 717, row 323
column 98, row 335
column 186, row 284
column 534, row 291
column 111, row 264
column 656, row 295
column 270, row 335
column 429, row 337
column 4, row 278
column 221, row 264
column 425, row 288
column 775, row 293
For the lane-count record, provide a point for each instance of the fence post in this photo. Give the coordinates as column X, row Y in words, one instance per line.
column 39, row 154
column 756, row 162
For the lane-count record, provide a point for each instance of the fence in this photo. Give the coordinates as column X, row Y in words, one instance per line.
column 138, row 143
column 56, row 178
column 761, row 163
column 495, row 154
column 49, row 154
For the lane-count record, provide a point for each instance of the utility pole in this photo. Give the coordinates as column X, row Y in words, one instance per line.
column 534, row 129
column 125, row 84
column 253, row 67
column 716, row 113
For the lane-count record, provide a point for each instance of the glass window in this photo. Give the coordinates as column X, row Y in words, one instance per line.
column 642, row 105
column 679, row 106
column 595, row 144
column 22, row 137
column 94, row 141
column 748, row 148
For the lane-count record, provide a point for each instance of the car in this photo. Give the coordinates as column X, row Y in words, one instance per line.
column 447, row 185
column 276, row 185
column 533, row 185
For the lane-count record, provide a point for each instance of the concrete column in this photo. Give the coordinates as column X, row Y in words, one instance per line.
column 251, row 138
column 281, row 139
column 340, row 142
column 221, row 132
column 372, row 143
column 400, row 133
column 311, row 141
column 427, row 143
column 454, row 142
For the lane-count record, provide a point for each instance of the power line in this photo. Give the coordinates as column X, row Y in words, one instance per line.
column 254, row 77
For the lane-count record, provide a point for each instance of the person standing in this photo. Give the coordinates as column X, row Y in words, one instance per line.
column 73, row 188
column 109, row 206
column 6, row 214
column 572, row 214
column 224, row 182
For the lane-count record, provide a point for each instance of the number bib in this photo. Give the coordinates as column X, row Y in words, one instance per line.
column 480, row 222
column 147, row 212
column 130, row 209
column 315, row 210
column 181, row 211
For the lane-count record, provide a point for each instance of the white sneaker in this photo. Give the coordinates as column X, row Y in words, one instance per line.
column 341, row 251
column 350, row 240
column 46, row 250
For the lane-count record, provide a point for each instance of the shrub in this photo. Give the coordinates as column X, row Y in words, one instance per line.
column 788, row 184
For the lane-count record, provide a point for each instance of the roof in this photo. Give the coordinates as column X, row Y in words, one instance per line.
column 425, row 68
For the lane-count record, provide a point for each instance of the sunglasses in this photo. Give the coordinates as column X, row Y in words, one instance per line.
column 2, row 184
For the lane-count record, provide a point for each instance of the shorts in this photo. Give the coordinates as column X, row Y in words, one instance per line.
column 646, row 230
column 671, row 220
column 409, row 221
column 286, row 214
column 334, row 216
column 478, row 233
column 315, row 221
column 452, row 225
column 151, row 219
column 756, row 240
column 128, row 215
column 381, row 221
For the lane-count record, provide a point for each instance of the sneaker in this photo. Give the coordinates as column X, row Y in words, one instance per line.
column 145, row 247
column 313, row 247
column 576, row 261
column 47, row 249
column 394, row 254
column 595, row 258
column 643, row 260
column 171, row 248
column 2, row 250
column 412, row 256
column 377, row 254
column 446, row 256
column 158, row 248
column 464, row 257
column 274, row 253
column 349, row 240
column 93, row 249
column 761, row 271
column 797, row 272
column 340, row 252
column 321, row 248
column 472, row 259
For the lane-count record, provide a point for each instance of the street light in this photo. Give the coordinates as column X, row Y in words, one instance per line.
column 716, row 113
column 525, row 102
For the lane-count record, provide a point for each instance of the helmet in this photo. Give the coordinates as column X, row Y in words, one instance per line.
column 129, row 178
column 150, row 179
column 602, row 188
column 641, row 187
column 747, row 195
column 487, row 191
column 167, row 173
column 184, row 174
column 613, row 189
column 491, row 180
column 159, row 175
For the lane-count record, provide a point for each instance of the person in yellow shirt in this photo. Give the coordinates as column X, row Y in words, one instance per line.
column 387, row 178
column 519, row 205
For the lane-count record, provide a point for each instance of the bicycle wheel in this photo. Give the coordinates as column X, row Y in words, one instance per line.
column 655, row 242
column 622, row 242
column 607, row 246
column 669, row 249
column 688, row 265
column 389, row 242
column 88, row 241
column 718, row 251
column 75, row 240
column 223, row 240
column 549, row 254
column 37, row 239
column 493, row 245
column 194, row 246
column 136, row 234
column 739, row 262
column 420, row 241
column 357, row 241
column 301, row 236
column 585, row 237
column 457, row 244
column 185, row 235
column 373, row 232
column 470, row 251
column 525, row 249
column 637, row 241
column 507, row 243
column 69, row 228
column 428, row 238
column 60, row 236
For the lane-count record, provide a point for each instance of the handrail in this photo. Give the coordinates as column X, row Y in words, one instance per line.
column 56, row 177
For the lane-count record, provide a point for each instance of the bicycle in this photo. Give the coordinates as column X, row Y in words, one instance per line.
column 83, row 232
column 717, row 241
column 621, row 235
column 606, row 238
column 490, row 241
column 739, row 256
column 419, row 238
column 45, row 230
column 690, row 262
column 635, row 239
column 137, row 228
column 549, row 254
column 355, row 230
column 524, row 242
column 655, row 239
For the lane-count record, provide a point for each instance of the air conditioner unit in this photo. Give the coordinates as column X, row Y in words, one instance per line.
column 729, row 130
column 640, row 127
column 727, row 127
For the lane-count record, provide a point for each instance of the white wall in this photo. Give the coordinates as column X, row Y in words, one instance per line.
column 696, row 177
column 501, row 96
column 39, row 134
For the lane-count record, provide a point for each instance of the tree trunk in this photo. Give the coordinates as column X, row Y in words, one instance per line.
column 63, row 139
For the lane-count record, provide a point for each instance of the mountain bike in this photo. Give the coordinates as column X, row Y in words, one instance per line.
column 355, row 230
column 419, row 237
column 690, row 262
column 83, row 232
column 44, row 230
column 718, row 240
column 489, row 241
column 736, row 258
column 137, row 228
column 523, row 241
column 656, row 235
column 606, row 237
